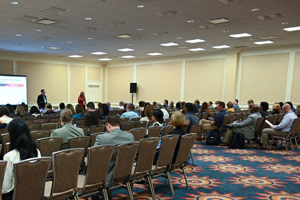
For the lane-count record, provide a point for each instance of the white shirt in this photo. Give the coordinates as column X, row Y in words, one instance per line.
column 166, row 114
column 9, row 181
column 6, row 119
column 144, row 119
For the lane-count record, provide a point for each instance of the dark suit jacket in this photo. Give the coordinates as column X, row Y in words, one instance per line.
column 41, row 99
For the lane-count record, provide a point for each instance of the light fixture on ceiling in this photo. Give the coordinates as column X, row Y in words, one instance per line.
column 140, row 6
column 197, row 49
column 221, row 47
column 38, row 30
column 55, row 10
column 54, row 48
column 169, row 44
column 179, row 38
column 230, row 2
column 240, row 35
column 18, row 35
column 89, row 38
column 268, row 37
column 124, row 36
column 14, row 2
column 125, row 49
column 190, row 21
column 75, row 56
column 140, row 29
column 45, row 21
column 195, row 41
column 88, row 18
column 116, row 24
column 168, row 13
column 69, row 42
column 154, row 54
column 270, row 16
column 284, row 23
column 289, row 29
column 219, row 20
column 264, row 42
column 128, row 56
column 98, row 53
column 105, row 59
column 255, row 9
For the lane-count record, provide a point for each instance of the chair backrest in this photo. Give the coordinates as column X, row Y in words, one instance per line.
column 185, row 146
column 41, row 121
column 265, row 125
column 84, row 128
column 259, row 124
column 150, row 122
column 79, row 142
column 0, row 148
column 49, row 145
column 167, row 120
column 204, row 115
column 93, row 138
column 213, row 114
column 120, row 111
column 146, row 154
column 154, row 131
column 48, row 126
column 34, row 127
column 138, row 133
column 2, row 172
column 122, row 120
column 5, row 138
column 124, row 161
column 279, row 118
column 80, row 123
column 295, row 128
column 168, row 129
column 97, row 128
column 198, row 115
column 167, row 148
column 239, row 116
column 231, row 118
column 112, row 112
column 128, row 125
column 141, row 124
column 136, row 119
column 3, row 130
column 195, row 128
column 30, row 177
column 39, row 134
column 101, row 122
column 56, row 120
column 65, row 172
column 274, row 120
column 98, row 161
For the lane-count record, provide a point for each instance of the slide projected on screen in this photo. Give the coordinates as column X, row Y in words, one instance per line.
column 13, row 89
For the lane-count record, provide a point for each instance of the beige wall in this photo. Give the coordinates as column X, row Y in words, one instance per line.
column 77, row 80
column 119, row 79
column 204, row 80
column 295, row 98
column 264, row 77
column 157, row 82
column 231, row 77
column 6, row 67
column 94, row 74
column 51, row 77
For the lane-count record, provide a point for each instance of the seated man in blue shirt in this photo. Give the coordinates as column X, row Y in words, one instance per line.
column 190, row 118
column 197, row 103
column 235, row 104
column 129, row 112
column 212, row 124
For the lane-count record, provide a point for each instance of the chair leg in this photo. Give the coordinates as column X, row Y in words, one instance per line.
column 170, row 183
column 151, row 187
column 186, row 181
column 286, row 146
column 105, row 195
column 129, row 191
column 192, row 157
column 296, row 142
column 109, row 194
column 292, row 144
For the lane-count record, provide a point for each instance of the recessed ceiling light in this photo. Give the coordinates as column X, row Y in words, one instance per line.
column 221, row 47
column 124, row 36
column 289, row 29
column 89, row 38
column 126, row 49
column 69, row 42
column 190, row 21
column 284, row 23
column 75, row 56
column 263, row 42
column 18, row 35
column 239, row 35
column 14, row 2
column 219, row 20
column 140, row 6
column 105, row 59
column 179, row 38
column 154, row 54
column 38, row 30
column 98, row 53
column 140, row 29
column 88, row 18
column 81, row 51
column 255, row 9
column 128, row 56
column 169, row 44
column 195, row 41
column 197, row 49
column 54, row 48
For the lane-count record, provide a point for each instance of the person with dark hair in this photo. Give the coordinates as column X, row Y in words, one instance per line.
column 166, row 102
column 197, row 103
column 204, row 108
column 79, row 112
column 91, row 108
column 42, row 99
column 114, row 136
column 246, row 127
column 210, row 104
column 171, row 105
column 141, row 106
column 61, row 107
column 158, row 120
column 82, row 100
column 49, row 109
column 91, row 119
column 67, row 130
column 4, row 115
column 178, row 106
column 190, row 117
column 22, row 147
column 129, row 112
column 163, row 109
column 105, row 111
column 143, row 112
column 291, row 104
column 281, row 104
column 235, row 104
column 264, row 107
column 34, row 111
column 71, row 107
column 10, row 108
column 212, row 124
column 230, row 107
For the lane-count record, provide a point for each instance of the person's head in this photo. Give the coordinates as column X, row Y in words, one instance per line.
column 112, row 122
column 253, row 108
column 71, row 107
column 148, row 111
column 82, row 94
column 90, row 106
column 125, row 106
column 290, row 103
column 197, row 102
column 276, row 107
column 250, row 102
column 221, row 105
column 286, row 108
column 158, row 106
column 20, row 110
column 66, row 116
column 264, row 105
column 62, row 106
column 99, row 105
column 105, row 109
column 298, row 109
column 235, row 101
column 10, row 108
column 141, row 103
column 79, row 109
column 281, row 104
column 229, row 104
column 48, row 106
column 154, row 103
column 91, row 119
column 146, row 104
column 171, row 104
column 178, row 119
column 33, row 110
column 43, row 91
column 188, row 107
column 204, row 106
column 108, row 104
column 21, row 140
column 4, row 111
column 121, row 103
column 130, row 106
column 157, row 116
column 182, row 104
column 210, row 103
column 178, row 105
column 166, row 102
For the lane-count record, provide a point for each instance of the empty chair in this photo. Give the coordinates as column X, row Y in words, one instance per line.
column 30, row 176
column 39, row 134
column 141, row 124
column 101, row 122
column 128, row 125
column 48, row 126
column 138, row 133
column 2, row 172
column 65, row 174
column 34, row 127
column 154, row 131
column 95, row 177
column 79, row 142
column 5, row 138
column 97, row 128
column 56, row 120
column 168, row 129
column 93, row 138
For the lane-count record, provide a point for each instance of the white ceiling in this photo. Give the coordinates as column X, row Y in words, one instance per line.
column 71, row 26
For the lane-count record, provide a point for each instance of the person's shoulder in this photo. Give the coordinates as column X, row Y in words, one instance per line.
column 11, row 155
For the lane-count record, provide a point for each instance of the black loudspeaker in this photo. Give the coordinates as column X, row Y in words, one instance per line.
column 133, row 87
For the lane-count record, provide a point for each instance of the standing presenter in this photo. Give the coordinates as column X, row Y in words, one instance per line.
column 82, row 100
column 42, row 99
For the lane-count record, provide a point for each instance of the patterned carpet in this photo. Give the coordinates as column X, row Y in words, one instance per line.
column 230, row 174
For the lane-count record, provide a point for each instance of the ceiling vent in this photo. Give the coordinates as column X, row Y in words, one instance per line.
column 116, row 24
column 271, row 16
column 183, row 47
column 55, row 10
column 17, row 44
column 168, row 13
column 230, row 2
column 209, row 26
column 89, row 29
column 219, row 20
column 268, row 37
column 45, row 21
column 240, row 47
column 27, row 18
column 160, row 34
column 89, row 45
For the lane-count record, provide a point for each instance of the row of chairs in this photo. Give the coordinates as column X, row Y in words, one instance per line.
column 66, row 164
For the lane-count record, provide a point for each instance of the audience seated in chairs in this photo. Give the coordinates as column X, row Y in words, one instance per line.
column 197, row 104
column 158, row 120
column 49, row 109
column 79, row 112
column 10, row 108
column 91, row 108
column 91, row 119
column 105, row 111
column 276, row 109
column 129, row 112
column 4, row 117
column 230, row 107
column 205, row 108
column 20, row 110
column 148, row 113
column 71, row 107
column 164, row 111
column 34, row 111
column 264, row 107
column 190, row 117
column 143, row 112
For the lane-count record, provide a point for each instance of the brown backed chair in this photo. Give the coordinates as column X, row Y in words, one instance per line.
column 80, row 123
column 128, row 126
column 138, row 133
column 150, row 122
column 120, row 111
column 3, row 130
column 94, row 136
column 213, row 114
column 49, row 145
column 198, row 115
column 101, row 122
column 258, row 129
column 122, row 120
column 0, row 148
column 56, row 120
column 28, row 184
column 168, row 129
column 95, row 177
column 204, row 115
column 112, row 112
column 97, row 128
column 2, row 172
column 154, row 131
column 85, row 129
column 65, row 174
column 79, row 142
column 48, row 126
column 39, row 134
column 34, row 127
column 42, row 121
column 141, row 124
column 279, row 118
column 5, row 138
column 167, row 120
column 136, row 119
